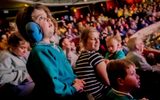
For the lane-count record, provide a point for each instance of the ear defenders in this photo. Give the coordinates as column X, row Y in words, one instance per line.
column 34, row 32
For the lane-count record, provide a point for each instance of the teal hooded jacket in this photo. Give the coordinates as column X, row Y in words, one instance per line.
column 50, row 70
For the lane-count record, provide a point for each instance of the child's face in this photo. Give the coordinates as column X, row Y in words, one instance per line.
column 21, row 50
column 112, row 46
column 132, row 80
column 66, row 43
column 40, row 17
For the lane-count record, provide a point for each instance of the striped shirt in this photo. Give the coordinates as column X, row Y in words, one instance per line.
column 85, row 69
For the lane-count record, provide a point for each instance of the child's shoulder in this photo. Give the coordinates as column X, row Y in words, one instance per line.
column 118, row 95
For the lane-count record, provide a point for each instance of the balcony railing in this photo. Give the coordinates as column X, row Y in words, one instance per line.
column 60, row 2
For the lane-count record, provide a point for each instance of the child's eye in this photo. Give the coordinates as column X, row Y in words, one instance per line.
column 133, row 73
column 41, row 18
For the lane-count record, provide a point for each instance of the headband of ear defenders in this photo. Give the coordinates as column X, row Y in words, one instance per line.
column 34, row 32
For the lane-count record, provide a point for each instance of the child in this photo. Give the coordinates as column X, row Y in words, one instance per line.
column 15, row 79
column 47, row 64
column 114, row 51
column 66, row 46
column 123, row 79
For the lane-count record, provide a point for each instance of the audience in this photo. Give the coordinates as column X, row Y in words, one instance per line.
column 50, row 66
column 149, row 74
column 135, row 54
column 14, row 78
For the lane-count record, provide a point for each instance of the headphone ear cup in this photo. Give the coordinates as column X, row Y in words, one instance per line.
column 34, row 31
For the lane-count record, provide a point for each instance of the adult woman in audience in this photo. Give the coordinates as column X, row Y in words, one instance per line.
column 47, row 64
column 14, row 78
column 90, row 65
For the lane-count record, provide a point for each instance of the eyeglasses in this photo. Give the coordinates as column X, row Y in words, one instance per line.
column 41, row 18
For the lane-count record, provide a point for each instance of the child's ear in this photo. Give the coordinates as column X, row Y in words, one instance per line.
column 120, row 81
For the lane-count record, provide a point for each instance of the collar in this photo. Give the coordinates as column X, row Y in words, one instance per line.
column 120, row 93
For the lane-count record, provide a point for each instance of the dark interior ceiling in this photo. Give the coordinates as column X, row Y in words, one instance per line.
column 10, row 4
column 16, row 4
column 9, row 8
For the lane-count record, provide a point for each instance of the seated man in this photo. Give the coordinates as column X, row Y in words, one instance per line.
column 136, row 47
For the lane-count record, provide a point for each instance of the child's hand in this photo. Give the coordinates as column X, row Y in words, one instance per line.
column 106, row 61
column 78, row 84
column 79, row 80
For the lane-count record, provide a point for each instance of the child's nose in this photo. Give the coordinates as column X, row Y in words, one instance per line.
column 110, row 48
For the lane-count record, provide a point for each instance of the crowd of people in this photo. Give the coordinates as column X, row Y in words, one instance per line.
column 91, row 58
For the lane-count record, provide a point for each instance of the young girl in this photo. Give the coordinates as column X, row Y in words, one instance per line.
column 14, row 77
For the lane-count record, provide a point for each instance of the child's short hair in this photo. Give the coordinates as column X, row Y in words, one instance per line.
column 110, row 39
column 117, row 69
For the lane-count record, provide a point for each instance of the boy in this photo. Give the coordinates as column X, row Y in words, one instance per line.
column 123, row 79
column 47, row 64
